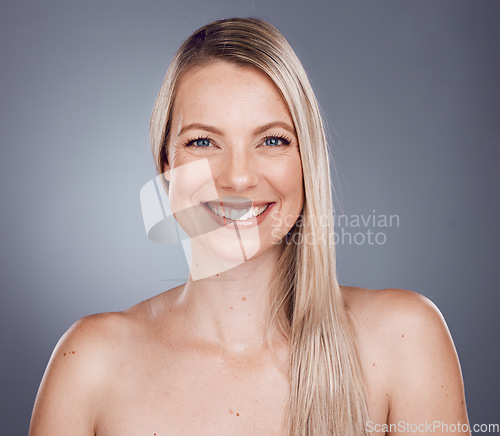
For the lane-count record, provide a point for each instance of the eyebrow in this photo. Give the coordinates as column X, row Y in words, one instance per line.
column 257, row 131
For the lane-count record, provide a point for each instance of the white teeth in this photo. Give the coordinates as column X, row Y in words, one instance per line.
column 246, row 214
column 236, row 215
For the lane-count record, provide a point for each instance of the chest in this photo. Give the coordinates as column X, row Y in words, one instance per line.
column 187, row 394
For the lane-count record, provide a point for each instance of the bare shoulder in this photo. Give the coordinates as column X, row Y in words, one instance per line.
column 94, row 342
column 407, row 334
column 81, row 348
column 102, row 333
column 402, row 323
column 93, row 337
column 389, row 301
column 83, row 366
column 393, row 311
column 76, row 371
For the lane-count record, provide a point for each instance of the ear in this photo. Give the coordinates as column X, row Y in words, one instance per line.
column 166, row 173
column 165, row 178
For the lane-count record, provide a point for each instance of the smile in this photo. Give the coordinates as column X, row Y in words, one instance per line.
column 237, row 214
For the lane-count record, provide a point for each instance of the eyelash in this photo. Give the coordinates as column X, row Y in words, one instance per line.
column 283, row 138
column 190, row 142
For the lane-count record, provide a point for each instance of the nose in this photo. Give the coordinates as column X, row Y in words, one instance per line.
column 237, row 171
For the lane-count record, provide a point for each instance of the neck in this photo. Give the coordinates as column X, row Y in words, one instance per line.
column 230, row 309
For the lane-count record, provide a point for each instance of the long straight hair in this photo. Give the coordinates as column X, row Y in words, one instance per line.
column 327, row 395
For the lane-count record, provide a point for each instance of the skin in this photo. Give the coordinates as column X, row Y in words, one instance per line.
column 194, row 360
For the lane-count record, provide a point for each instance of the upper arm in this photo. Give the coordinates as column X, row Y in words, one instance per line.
column 427, row 386
column 69, row 391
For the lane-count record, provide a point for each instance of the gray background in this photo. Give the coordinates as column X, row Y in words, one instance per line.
column 411, row 94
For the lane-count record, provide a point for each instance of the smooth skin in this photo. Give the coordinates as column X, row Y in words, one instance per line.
column 194, row 360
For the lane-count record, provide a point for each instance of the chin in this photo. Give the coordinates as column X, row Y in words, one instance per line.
column 228, row 246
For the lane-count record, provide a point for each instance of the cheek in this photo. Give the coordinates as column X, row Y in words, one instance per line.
column 288, row 181
column 190, row 184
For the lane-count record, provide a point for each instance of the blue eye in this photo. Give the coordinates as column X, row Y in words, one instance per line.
column 272, row 141
column 276, row 141
column 199, row 143
column 202, row 142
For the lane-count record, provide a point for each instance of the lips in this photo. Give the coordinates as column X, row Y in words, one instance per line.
column 237, row 214
column 240, row 210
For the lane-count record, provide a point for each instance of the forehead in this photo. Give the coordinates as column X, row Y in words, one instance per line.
column 223, row 91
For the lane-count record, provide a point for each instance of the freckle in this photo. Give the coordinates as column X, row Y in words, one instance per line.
column 231, row 307
column 402, row 336
column 65, row 354
column 462, row 401
column 386, row 394
column 243, row 298
column 230, row 411
column 72, row 352
column 442, row 386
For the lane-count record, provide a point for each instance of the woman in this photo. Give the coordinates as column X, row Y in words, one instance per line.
column 261, row 339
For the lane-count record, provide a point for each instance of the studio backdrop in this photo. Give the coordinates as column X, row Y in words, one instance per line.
column 410, row 93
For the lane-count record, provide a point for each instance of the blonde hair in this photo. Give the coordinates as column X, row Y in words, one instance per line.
column 327, row 388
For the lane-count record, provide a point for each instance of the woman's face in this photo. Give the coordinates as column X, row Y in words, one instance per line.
column 234, row 166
